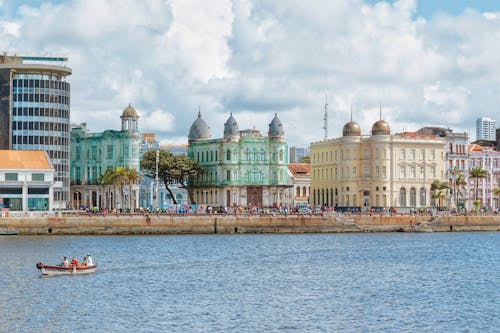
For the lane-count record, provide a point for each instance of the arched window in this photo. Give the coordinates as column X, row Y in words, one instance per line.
column 422, row 197
column 298, row 192
column 451, row 147
column 304, row 193
column 413, row 197
column 402, row 197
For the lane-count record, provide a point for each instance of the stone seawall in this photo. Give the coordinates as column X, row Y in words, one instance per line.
column 232, row 224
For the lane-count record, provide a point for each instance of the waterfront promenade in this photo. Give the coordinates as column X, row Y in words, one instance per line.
column 125, row 224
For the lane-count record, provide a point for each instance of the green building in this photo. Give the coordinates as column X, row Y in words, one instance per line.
column 244, row 168
column 93, row 153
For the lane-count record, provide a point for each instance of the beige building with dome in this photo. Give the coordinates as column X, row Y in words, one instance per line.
column 380, row 170
column 92, row 153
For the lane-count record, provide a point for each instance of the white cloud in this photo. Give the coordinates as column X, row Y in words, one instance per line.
column 157, row 120
column 257, row 57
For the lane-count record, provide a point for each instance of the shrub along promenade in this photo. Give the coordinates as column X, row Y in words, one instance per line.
column 139, row 224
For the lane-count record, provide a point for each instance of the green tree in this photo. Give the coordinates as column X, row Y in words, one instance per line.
column 496, row 191
column 172, row 169
column 305, row 159
column 439, row 190
column 476, row 174
column 132, row 177
column 106, row 180
column 119, row 178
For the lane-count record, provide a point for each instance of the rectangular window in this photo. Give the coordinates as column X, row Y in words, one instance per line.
column 109, row 155
column 354, row 172
column 37, row 177
column 78, row 151
column 412, row 154
column 228, row 175
column 412, row 172
column 383, row 171
column 94, row 152
column 422, row 172
column 11, row 176
column 377, row 171
column 127, row 152
column 402, row 154
column 402, row 172
column 433, row 154
column 433, row 172
column 422, row 154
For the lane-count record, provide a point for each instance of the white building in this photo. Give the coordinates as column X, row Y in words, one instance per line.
column 27, row 181
column 486, row 129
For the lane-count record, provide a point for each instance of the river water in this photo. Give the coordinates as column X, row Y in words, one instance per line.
column 394, row 282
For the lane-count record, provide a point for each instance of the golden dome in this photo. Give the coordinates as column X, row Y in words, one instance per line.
column 351, row 129
column 129, row 112
column 381, row 128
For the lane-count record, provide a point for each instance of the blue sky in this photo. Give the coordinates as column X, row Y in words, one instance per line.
column 429, row 8
column 255, row 58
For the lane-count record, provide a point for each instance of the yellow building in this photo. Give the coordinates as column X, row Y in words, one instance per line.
column 376, row 171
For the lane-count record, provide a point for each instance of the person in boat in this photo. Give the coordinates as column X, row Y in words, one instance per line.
column 74, row 262
column 89, row 260
column 65, row 262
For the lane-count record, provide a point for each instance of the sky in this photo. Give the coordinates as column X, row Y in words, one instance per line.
column 416, row 63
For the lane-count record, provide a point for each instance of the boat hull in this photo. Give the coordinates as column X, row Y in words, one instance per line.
column 59, row 270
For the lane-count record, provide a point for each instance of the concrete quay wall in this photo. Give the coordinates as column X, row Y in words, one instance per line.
column 232, row 224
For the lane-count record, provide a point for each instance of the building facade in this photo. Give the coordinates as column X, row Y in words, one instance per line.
column 244, row 168
column 488, row 159
column 27, row 181
column 93, row 153
column 457, row 162
column 376, row 171
column 486, row 129
column 301, row 177
column 35, row 112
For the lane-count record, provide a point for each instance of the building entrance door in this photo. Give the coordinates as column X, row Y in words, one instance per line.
column 254, row 196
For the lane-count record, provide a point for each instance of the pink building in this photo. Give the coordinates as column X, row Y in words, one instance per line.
column 489, row 160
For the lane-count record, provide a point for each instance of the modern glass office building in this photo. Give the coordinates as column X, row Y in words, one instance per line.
column 35, row 112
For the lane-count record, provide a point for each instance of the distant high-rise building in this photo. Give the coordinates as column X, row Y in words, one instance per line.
column 35, row 110
column 297, row 153
column 486, row 129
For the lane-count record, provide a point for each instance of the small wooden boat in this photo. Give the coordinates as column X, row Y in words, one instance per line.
column 61, row 270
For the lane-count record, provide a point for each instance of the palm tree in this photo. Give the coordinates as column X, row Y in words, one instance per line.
column 477, row 173
column 105, row 180
column 440, row 187
column 119, row 179
column 496, row 191
column 132, row 177
column 460, row 182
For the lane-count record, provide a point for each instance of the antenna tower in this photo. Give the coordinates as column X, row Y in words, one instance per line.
column 325, row 118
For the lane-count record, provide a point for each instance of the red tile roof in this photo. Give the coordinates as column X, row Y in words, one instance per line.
column 300, row 169
column 24, row 159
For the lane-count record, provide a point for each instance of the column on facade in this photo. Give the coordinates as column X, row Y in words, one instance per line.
column 25, row 196
column 51, row 196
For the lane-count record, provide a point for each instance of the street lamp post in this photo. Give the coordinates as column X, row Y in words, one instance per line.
column 156, row 178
